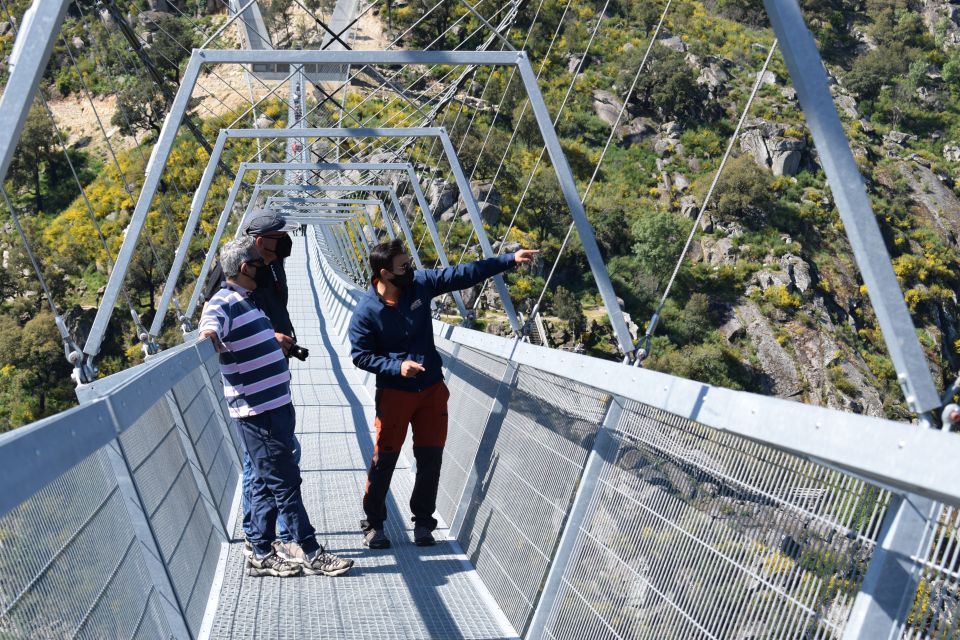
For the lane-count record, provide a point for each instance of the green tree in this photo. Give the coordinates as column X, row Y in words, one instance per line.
column 749, row 12
column 544, row 207
column 668, row 88
column 569, row 309
column 744, row 193
column 659, row 240
column 612, row 232
column 141, row 106
column 45, row 370
column 874, row 69
column 172, row 44
column 711, row 363
column 33, row 155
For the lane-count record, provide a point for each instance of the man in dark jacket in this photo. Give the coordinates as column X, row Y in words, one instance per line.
column 391, row 334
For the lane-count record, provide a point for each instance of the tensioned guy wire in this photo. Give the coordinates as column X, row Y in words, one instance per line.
column 606, row 147
column 643, row 348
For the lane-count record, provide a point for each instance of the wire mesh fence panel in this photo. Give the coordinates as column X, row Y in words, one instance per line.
column 526, row 484
column 473, row 382
column 935, row 612
column 211, row 442
column 696, row 533
column 186, row 537
column 71, row 565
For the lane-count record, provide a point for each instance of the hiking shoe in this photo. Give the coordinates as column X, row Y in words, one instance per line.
column 271, row 565
column 248, row 547
column 326, row 564
column 376, row 539
column 320, row 562
column 423, row 537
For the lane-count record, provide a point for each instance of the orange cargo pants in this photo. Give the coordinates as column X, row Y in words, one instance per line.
column 426, row 411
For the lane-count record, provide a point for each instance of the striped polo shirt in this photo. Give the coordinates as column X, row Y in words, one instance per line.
column 256, row 378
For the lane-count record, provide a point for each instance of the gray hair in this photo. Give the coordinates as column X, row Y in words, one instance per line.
column 235, row 253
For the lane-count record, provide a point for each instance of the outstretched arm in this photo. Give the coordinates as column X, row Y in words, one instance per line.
column 464, row 276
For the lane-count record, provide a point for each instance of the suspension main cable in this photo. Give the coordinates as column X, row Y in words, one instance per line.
column 644, row 345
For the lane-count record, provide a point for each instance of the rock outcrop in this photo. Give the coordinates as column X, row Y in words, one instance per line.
column 939, row 205
column 770, row 146
column 607, row 106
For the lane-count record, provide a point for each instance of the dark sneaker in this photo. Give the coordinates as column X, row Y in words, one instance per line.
column 376, row 539
column 318, row 563
column 423, row 537
column 271, row 565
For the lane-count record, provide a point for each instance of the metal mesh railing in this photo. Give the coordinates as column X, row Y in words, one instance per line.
column 936, row 608
column 124, row 542
column 217, row 453
column 697, row 533
column 186, row 537
column 519, row 506
column 71, row 564
column 473, row 380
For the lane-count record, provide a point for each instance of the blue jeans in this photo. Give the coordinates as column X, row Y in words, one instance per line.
column 283, row 534
column 275, row 482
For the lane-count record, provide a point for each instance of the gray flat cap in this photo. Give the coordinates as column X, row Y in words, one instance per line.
column 266, row 221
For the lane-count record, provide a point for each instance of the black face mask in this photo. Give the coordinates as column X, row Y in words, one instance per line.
column 260, row 270
column 284, row 247
column 263, row 277
column 402, row 280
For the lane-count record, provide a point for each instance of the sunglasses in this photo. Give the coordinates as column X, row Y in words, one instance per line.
column 403, row 268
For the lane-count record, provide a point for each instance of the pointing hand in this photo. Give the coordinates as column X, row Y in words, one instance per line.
column 523, row 256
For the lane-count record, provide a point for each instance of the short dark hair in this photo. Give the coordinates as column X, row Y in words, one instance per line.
column 382, row 255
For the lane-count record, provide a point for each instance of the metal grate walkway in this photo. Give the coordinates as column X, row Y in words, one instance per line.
column 403, row 592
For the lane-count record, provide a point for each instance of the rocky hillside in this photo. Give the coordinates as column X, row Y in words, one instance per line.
column 769, row 298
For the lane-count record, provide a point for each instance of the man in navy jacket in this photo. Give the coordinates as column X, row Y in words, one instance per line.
column 391, row 334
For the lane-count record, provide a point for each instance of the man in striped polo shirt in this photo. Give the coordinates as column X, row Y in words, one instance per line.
column 256, row 383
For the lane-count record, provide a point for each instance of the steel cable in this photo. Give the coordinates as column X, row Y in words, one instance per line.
column 644, row 345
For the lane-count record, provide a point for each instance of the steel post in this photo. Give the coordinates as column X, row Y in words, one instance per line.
column 568, row 186
column 28, row 60
column 199, row 197
column 892, row 580
column 474, row 212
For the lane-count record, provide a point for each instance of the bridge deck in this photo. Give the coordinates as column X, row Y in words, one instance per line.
column 403, row 592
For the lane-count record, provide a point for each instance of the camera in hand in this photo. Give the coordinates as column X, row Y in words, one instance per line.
column 298, row 352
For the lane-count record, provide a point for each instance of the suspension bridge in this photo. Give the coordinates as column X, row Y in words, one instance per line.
column 580, row 497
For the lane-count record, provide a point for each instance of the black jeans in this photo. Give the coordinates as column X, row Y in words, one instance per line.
column 276, row 479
